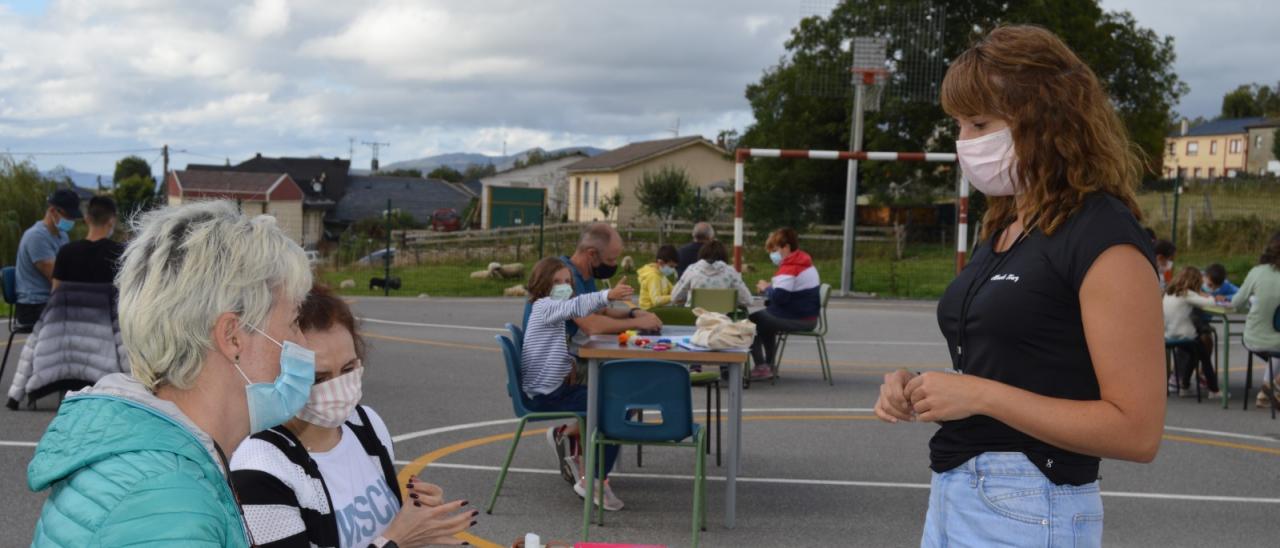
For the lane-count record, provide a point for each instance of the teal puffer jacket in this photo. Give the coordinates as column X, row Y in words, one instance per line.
column 129, row 469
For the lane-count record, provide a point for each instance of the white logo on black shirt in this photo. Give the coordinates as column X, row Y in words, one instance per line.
column 1005, row 277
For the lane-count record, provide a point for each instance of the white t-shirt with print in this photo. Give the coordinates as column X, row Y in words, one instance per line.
column 363, row 503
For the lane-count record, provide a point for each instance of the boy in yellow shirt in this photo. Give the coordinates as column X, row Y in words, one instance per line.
column 655, row 278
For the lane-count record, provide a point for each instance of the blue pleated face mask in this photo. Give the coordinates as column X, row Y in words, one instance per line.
column 273, row 403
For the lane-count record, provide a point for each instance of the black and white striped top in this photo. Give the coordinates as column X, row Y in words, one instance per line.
column 545, row 360
column 284, row 495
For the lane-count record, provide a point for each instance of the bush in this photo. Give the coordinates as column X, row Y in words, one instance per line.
column 22, row 202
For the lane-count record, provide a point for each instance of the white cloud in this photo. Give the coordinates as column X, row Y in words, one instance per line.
column 301, row 76
column 264, row 17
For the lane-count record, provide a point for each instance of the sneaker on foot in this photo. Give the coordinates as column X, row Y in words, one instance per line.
column 1262, row 400
column 555, row 436
column 761, row 372
column 1213, row 395
column 611, row 502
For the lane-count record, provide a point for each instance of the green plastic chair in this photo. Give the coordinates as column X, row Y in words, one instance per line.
column 724, row 301
column 675, row 315
column 819, row 332
column 519, row 403
column 627, row 386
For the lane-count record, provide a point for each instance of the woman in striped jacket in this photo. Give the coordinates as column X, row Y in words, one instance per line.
column 325, row 478
column 545, row 364
column 792, row 300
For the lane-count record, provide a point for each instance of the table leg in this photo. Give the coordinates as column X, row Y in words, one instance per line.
column 593, row 393
column 1224, row 374
column 735, row 446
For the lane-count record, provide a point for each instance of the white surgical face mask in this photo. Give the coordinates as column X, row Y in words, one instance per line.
column 988, row 162
column 561, row 292
column 332, row 401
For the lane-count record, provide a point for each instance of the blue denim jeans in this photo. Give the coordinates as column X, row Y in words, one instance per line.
column 572, row 397
column 1001, row 499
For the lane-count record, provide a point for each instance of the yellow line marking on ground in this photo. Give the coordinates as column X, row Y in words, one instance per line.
column 15, row 341
column 428, row 342
column 418, row 464
column 1226, row 444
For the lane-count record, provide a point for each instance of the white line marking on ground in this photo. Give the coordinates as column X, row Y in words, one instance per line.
column 843, row 483
column 1222, row 434
column 17, row 443
column 435, row 325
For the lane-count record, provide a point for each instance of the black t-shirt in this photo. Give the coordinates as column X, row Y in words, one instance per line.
column 686, row 256
column 88, row 262
column 1024, row 329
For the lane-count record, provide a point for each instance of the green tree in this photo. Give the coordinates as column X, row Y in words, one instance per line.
column 1134, row 64
column 446, row 173
column 376, row 227
column 22, row 202
column 610, row 203
column 1249, row 100
column 1275, row 144
column 660, row 194
column 703, row 206
column 402, row 173
column 133, row 195
column 1240, row 104
column 478, row 171
column 130, row 166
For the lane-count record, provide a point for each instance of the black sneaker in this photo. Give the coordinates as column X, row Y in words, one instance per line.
column 555, row 436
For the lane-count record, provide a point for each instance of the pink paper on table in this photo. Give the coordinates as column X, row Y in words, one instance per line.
column 604, row 545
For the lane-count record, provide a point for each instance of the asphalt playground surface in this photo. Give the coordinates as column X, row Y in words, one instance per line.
column 817, row 468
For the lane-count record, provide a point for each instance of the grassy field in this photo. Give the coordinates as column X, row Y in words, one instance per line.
column 923, row 273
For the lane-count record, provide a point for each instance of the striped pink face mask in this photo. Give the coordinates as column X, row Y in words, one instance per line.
column 332, row 401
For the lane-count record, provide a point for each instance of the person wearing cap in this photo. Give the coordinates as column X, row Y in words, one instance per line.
column 36, row 253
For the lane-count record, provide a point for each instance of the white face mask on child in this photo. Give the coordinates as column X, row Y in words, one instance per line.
column 561, row 292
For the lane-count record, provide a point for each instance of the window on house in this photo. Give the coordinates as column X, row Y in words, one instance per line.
column 584, row 191
column 1257, row 141
column 1197, row 173
column 1213, row 147
column 1234, row 147
column 1211, row 172
column 1193, row 147
column 595, row 194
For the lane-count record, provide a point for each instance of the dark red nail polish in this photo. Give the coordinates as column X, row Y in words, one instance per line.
column 465, row 502
column 413, row 496
column 473, row 524
column 417, row 503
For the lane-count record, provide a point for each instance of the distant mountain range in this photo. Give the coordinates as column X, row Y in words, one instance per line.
column 78, row 178
column 460, row 160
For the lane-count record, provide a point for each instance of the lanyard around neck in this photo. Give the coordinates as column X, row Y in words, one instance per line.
column 971, row 292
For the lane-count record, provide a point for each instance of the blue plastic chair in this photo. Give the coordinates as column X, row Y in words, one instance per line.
column 517, row 335
column 520, row 405
column 655, row 387
column 9, row 277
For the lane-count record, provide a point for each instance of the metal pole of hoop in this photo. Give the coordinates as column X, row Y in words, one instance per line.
column 863, row 79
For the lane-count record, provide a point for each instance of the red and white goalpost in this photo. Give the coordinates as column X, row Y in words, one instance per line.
column 742, row 154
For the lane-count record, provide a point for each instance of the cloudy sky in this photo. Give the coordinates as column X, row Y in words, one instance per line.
column 225, row 79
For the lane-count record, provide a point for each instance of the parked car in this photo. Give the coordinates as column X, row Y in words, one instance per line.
column 376, row 258
column 446, row 219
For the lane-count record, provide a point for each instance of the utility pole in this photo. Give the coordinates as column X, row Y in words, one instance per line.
column 351, row 151
column 375, row 146
column 164, row 151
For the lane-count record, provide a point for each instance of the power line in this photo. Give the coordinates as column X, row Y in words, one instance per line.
column 82, row 152
column 190, row 153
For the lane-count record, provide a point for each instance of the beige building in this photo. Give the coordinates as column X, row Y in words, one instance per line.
column 1209, row 151
column 274, row 194
column 595, row 179
column 1262, row 158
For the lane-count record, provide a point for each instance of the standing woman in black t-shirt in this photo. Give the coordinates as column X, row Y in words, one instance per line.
column 1054, row 328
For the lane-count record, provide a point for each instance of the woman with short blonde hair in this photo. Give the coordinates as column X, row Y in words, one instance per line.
column 208, row 306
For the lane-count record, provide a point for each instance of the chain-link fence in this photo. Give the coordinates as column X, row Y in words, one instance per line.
column 1224, row 217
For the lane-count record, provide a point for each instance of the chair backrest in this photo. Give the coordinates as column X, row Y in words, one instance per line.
column 659, row 388
column 10, row 275
column 1275, row 319
column 675, row 315
column 517, row 336
column 824, row 296
column 511, row 357
column 724, row 301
